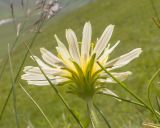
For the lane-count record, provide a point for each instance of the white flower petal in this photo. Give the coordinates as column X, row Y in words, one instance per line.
column 40, row 62
column 120, row 76
column 39, row 83
column 36, row 70
column 86, row 40
column 67, row 61
column 62, row 50
column 50, row 58
column 103, row 41
column 73, row 45
column 35, row 77
column 104, row 56
column 45, row 82
column 124, row 59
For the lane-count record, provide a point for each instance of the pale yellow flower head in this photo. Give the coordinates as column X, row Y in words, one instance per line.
column 76, row 65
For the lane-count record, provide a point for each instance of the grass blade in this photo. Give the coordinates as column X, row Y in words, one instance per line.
column 104, row 118
column 158, row 103
column 156, row 22
column 21, row 65
column 156, row 19
column 56, row 91
column 36, row 104
column 149, row 95
column 13, row 45
column 126, row 89
column 13, row 86
column 155, row 10
column 6, row 60
column 19, row 70
column 125, row 100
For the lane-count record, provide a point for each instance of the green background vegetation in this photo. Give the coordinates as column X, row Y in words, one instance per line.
column 133, row 26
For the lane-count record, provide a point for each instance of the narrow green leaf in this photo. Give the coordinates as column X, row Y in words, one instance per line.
column 158, row 103
column 14, row 88
column 149, row 95
column 56, row 91
column 126, row 89
column 104, row 118
column 122, row 99
column 19, row 71
column 36, row 104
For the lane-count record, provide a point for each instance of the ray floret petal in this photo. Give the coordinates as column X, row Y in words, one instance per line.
column 76, row 66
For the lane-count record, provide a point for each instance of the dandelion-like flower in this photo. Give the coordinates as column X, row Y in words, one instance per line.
column 76, row 66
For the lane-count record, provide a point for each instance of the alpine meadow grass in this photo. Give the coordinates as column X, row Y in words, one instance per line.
column 94, row 81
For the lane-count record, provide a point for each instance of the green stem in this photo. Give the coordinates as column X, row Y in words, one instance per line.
column 39, row 108
column 104, row 118
column 91, row 113
column 62, row 99
column 56, row 91
column 158, row 103
column 13, row 45
column 19, row 70
column 155, row 10
column 156, row 22
column 125, row 88
column 21, row 65
column 125, row 100
column 148, row 94
column 11, row 51
column 14, row 91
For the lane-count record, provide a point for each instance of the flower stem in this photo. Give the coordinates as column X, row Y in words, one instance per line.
column 91, row 113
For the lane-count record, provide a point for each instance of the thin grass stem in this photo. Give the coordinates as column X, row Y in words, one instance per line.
column 104, row 118
column 126, row 89
column 3, row 67
column 158, row 103
column 6, row 60
column 36, row 104
column 149, row 95
column 155, row 10
column 125, row 100
column 21, row 66
column 11, row 51
column 156, row 22
column 56, row 91
column 13, row 86
column 156, row 19
column 19, row 70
